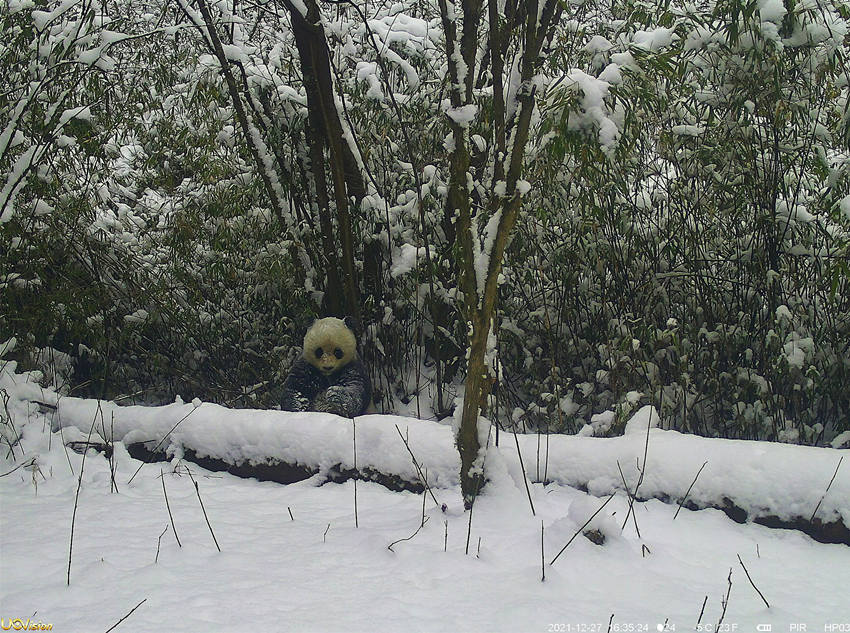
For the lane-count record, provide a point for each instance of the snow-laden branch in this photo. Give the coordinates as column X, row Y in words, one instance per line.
column 57, row 48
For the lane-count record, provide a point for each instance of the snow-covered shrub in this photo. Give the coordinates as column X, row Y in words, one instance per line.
column 694, row 254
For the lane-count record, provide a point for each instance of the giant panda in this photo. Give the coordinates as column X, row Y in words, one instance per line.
column 329, row 376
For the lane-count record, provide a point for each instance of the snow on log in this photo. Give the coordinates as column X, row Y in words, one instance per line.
column 277, row 446
column 777, row 485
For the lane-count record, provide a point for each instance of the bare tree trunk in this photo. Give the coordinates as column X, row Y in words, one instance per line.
column 333, row 301
column 326, row 130
column 461, row 75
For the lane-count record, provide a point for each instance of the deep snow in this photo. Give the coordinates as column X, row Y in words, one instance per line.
column 319, row 572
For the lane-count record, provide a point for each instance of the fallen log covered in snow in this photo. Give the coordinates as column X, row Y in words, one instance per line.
column 777, row 485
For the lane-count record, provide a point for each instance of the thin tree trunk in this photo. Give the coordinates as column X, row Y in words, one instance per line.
column 479, row 303
column 327, row 131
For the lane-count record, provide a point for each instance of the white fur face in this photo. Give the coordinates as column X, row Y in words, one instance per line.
column 329, row 345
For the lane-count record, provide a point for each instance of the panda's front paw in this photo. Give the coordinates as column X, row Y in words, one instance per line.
column 332, row 400
column 321, row 403
column 294, row 401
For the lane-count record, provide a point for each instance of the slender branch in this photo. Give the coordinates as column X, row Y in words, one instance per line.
column 761, row 595
column 524, row 476
column 198, row 492
column 158, row 444
column 424, row 498
column 631, row 502
column 497, row 61
column 158, row 542
column 77, row 494
column 113, row 485
column 579, row 531
column 422, row 477
column 354, row 439
column 126, row 616
column 685, row 498
column 817, row 507
column 29, row 462
column 542, row 553
column 469, row 528
column 643, row 466
column 725, row 601
column 701, row 612
column 401, row 540
column 168, row 507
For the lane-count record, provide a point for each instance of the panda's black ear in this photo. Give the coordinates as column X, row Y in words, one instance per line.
column 349, row 323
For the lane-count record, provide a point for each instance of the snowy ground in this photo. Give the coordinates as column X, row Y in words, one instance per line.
column 318, row 572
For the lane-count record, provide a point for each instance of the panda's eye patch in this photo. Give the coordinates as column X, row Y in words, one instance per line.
column 338, row 353
column 319, row 352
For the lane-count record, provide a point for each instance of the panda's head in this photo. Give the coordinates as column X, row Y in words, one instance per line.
column 329, row 344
